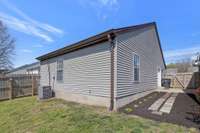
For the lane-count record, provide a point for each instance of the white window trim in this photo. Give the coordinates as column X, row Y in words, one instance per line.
column 60, row 81
column 133, row 79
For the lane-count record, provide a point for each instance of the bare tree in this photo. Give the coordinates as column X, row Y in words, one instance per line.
column 184, row 65
column 6, row 48
column 181, row 65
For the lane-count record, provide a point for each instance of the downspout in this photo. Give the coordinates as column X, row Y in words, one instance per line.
column 111, row 38
column 49, row 74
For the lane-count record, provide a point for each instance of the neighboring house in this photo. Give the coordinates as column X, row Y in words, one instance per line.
column 33, row 68
column 110, row 69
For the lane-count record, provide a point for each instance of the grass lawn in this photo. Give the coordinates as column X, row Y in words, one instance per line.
column 57, row 116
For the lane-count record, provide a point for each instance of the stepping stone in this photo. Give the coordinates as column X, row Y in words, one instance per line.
column 157, row 112
column 140, row 102
column 156, row 105
column 136, row 106
column 166, row 108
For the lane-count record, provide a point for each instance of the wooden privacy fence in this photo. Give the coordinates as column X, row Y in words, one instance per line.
column 18, row 86
column 184, row 80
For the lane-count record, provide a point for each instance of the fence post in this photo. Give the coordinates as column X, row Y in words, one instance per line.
column 33, row 85
column 10, row 82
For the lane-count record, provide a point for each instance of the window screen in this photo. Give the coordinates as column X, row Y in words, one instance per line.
column 60, row 70
column 136, row 67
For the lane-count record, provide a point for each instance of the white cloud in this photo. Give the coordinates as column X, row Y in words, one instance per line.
column 24, row 27
column 182, row 52
column 102, row 8
column 174, row 55
column 28, row 25
column 50, row 28
column 108, row 2
column 26, row 51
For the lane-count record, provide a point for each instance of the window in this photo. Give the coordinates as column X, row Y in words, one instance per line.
column 60, row 70
column 136, row 68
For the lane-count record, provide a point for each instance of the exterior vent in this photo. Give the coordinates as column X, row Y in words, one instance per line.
column 45, row 92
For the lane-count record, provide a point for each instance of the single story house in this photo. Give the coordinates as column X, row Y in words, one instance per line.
column 33, row 68
column 110, row 69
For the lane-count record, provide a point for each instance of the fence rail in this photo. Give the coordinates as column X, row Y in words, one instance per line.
column 14, row 86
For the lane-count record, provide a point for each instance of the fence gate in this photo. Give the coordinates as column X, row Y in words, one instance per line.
column 184, row 80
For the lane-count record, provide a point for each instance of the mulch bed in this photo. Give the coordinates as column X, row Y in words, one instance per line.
column 178, row 114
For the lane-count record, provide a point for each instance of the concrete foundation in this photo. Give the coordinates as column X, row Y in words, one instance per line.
column 99, row 101
column 84, row 99
column 126, row 100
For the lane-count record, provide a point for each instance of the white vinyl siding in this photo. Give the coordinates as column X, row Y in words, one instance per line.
column 144, row 43
column 86, row 71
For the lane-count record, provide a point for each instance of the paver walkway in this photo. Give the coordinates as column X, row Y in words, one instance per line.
column 163, row 104
column 156, row 105
column 183, row 103
column 166, row 108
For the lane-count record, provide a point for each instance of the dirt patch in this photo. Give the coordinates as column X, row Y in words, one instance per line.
column 178, row 115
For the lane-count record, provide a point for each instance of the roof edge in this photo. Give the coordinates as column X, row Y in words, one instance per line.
column 102, row 37
column 160, row 46
column 23, row 66
column 84, row 43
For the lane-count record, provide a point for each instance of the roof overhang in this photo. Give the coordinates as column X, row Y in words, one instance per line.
column 85, row 43
column 97, row 39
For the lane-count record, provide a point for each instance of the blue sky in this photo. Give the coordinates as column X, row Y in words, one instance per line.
column 41, row 26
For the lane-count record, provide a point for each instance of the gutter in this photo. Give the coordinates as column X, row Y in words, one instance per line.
column 111, row 38
column 85, row 43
